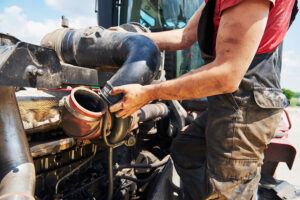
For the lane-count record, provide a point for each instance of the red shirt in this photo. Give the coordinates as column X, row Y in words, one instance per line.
column 277, row 25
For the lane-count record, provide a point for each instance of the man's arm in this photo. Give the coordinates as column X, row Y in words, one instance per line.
column 240, row 32
column 176, row 39
column 180, row 38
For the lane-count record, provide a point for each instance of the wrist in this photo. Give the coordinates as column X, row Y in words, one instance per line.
column 150, row 92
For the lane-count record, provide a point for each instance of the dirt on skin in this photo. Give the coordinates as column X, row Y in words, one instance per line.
column 283, row 172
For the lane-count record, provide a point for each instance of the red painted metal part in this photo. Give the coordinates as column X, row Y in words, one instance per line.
column 280, row 149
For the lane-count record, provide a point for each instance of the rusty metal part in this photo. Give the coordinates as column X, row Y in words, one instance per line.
column 52, row 147
column 40, row 109
column 82, row 114
column 17, row 172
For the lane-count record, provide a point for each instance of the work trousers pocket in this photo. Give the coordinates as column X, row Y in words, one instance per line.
column 237, row 132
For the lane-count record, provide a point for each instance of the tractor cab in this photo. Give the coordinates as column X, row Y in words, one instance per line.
column 157, row 15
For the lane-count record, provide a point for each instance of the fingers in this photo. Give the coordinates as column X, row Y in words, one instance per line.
column 124, row 113
column 117, row 90
column 117, row 106
column 131, row 101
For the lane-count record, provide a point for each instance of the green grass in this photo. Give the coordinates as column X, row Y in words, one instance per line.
column 294, row 101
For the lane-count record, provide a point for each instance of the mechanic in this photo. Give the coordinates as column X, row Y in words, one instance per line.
column 220, row 155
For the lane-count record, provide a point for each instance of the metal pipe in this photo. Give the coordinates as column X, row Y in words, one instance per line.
column 82, row 114
column 152, row 111
column 17, row 172
column 110, row 174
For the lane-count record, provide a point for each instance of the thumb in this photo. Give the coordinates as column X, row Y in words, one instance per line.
column 117, row 90
column 117, row 28
column 113, row 28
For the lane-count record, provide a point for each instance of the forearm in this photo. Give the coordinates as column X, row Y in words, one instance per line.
column 212, row 79
column 168, row 40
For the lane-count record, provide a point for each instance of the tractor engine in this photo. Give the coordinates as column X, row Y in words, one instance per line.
column 70, row 144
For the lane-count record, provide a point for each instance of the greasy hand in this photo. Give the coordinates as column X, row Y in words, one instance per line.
column 135, row 96
column 117, row 28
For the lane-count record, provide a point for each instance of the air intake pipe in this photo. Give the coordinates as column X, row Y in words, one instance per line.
column 17, row 172
column 135, row 56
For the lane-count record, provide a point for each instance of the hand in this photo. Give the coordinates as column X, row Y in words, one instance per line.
column 135, row 96
column 117, row 28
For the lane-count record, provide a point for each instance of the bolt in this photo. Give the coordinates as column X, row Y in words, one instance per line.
column 40, row 72
column 130, row 141
column 33, row 71
column 175, row 194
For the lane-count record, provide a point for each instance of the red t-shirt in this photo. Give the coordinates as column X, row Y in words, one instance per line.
column 277, row 25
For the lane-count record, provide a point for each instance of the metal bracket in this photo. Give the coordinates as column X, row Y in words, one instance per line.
column 28, row 65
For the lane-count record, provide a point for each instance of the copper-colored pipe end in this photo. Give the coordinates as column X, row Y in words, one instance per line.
column 82, row 116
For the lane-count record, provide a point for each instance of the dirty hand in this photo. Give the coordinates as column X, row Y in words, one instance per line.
column 117, row 28
column 135, row 96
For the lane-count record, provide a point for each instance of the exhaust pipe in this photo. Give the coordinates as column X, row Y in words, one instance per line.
column 17, row 172
column 95, row 47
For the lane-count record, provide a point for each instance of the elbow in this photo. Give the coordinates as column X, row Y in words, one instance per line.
column 185, row 46
column 186, row 42
column 230, row 88
column 229, row 76
column 229, row 83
